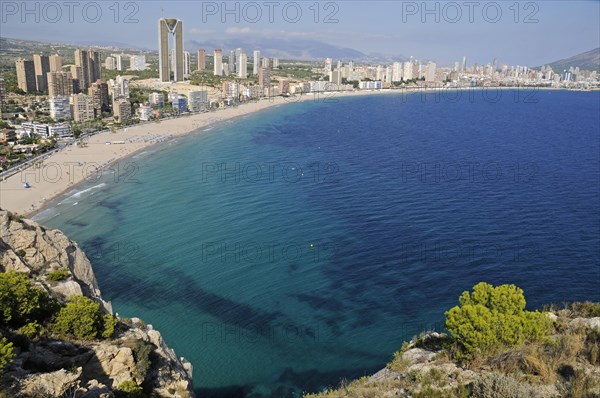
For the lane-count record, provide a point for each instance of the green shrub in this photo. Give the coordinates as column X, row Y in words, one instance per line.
column 109, row 323
column 6, row 353
column 21, row 302
column 30, row 330
column 493, row 317
column 129, row 389
column 142, row 360
column 58, row 275
column 80, row 318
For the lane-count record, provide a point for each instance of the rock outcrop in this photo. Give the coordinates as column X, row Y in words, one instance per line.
column 54, row 368
column 568, row 366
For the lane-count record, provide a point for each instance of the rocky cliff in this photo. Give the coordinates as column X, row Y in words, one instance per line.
column 567, row 365
column 53, row 367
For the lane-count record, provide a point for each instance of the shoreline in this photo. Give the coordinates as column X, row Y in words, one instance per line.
column 74, row 165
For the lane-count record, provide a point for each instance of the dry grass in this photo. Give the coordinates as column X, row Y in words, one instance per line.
column 567, row 364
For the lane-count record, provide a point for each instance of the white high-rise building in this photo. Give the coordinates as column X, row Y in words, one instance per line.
column 328, row 66
column 198, row 100
column 396, row 71
column 256, row 62
column 380, row 73
column 231, row 62
column 110, row 63
column 242, row 66
column 430, row 72
column 218, row 62
column 275, row 63
column 137, row 62
column 120, row 88
column 186, row 63
column 388, row 74
column 408, row 70
column 119, row 60
column 60, row 108
column 238, row 52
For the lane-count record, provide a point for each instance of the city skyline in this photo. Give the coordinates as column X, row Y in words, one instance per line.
column 442, row 33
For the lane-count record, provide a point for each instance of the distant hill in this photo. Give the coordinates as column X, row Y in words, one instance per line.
column 299, row 49
column 12, row 49
column 587, row 61
column 308, row 50
column 280, row 48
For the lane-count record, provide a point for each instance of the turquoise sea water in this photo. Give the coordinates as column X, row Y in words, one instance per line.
column 285, row 250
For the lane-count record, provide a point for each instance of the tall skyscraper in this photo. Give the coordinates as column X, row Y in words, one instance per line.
column 119, row 59
column 82, row 107
column 82, row 60
column 41, row 65
column 264, row 80
column 168, row 26
column 26, row 75
column 430, row 72
column 201, row 60
column 327, row 68
column 265, row 63
column 256, row 61
column 231, row 62
column 94, row 71
column 275, row 63
column 110, row 63
column 396, row 71
column 55, row 63
column 464, row 64
column 186, row 63
column 218, row 62
column 77, row 76
column 238, row 53
column 98, row 91
column 121, row 88
column 407, row 73
column 242, row 66
column 60, row 84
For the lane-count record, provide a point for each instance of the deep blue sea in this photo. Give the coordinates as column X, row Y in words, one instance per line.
column 286, row 250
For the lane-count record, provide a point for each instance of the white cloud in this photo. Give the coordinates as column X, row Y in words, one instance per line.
column 238, row 31
column 198, row 31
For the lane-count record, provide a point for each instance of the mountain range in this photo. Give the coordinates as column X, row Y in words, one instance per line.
column 301, row 49
column 589, row 60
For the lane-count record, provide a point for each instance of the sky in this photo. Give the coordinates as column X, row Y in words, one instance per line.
column 517, row 33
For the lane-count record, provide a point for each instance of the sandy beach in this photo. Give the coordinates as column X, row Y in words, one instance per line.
column 74, row 164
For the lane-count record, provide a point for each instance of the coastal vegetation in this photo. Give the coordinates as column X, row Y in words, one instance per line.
column 28, row 312
column 494, row 349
